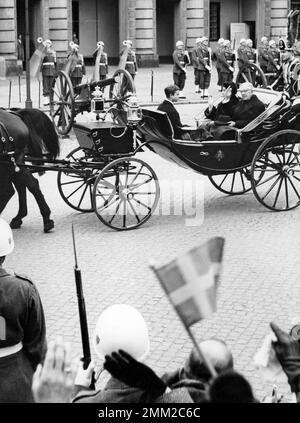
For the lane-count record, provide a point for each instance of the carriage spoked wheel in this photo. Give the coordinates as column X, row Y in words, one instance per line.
column 259, row 80
column 125, row 193
column 76, row 188
column 123, row 87
column 278, row 186
column 62, row 109
column 235, row 183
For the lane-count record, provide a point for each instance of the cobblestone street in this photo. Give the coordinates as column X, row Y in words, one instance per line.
column 260, row 280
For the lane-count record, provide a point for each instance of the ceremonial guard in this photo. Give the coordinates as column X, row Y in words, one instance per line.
column 273, row 61
column 48, row 67
column 103, row 64
column 22, row 329
column 204, row 54
column 180, row 60
column 78, row 68
column 131, row 63
column 217, row 55
column 243, row 61
column 195, row 62
column 251, row 55
column 263, row 54
column 227, row 59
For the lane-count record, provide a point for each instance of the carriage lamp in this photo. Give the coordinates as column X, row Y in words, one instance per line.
column 134, row 116
column 97, row 102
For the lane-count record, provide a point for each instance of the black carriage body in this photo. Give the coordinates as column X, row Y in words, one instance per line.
column 105, row 138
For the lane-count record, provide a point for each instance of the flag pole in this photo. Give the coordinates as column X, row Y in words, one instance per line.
column 202, row 356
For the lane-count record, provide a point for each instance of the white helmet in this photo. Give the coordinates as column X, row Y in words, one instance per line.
column 198, row 40
column 242, row 41
column 272, row 43
column 221, row 41
column 179, row 43
column 227, row 43
column 263, row 39
column 6, row 238
column 121, row 326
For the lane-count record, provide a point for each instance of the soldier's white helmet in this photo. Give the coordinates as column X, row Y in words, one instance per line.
column 198, row 40
column 100, row 44
column 6, row 238
column 272, row 43
column 121, row 326
column 227, row 43
column 179, row 43
column 263, row 39
column 75, row 47
column 204, row 39
column 127, row 43
column 221, row 41
column 242, row 41
column 47, row 43
column 249, row 41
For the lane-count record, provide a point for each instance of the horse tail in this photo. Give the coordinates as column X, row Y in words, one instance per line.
column 42, row 132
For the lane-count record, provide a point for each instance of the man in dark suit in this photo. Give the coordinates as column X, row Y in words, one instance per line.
column 172, row 95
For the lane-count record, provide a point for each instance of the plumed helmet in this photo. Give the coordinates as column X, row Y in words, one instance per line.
column 204, row 39
column 100, row 44
column 264, row 39
column 6, row 238
column 242, row 41
column 198, row 40
column 249, row 41
column 272, row 43
column 127, row 43
column 121, row 326
column 221, row 41
column 47, row 43
column 179, row 43
column 75, row 47
column 227, row 43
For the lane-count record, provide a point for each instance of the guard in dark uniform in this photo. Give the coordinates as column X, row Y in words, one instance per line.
column 227, row 60
column 273, row 61
column 195, row 62
column 243, row 62
column 79, row 68
column 22, row 329
column 263, row 54
column 204, row 55
column 131, row 63
column 217, row 55
column 251, row 54
column 103, row 64
column 179, row 71
column 48, row 68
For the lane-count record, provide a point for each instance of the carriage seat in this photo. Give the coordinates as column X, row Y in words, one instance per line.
column 157, row 124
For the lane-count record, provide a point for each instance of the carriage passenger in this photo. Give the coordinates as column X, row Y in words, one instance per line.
column 223, row 112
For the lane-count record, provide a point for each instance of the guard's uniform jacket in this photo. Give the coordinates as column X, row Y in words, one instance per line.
column 22, row 336
column 48, row 71
column 103, row 66
column 227, row 59
column 263, row 57
column 179, row 62
column 219, row 51
column 273, row 60
column 251, row 55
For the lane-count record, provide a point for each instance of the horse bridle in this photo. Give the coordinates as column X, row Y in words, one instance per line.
column 5, row 140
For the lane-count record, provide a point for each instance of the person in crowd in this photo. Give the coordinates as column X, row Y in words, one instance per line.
column 179, row 67
column 281, row 45
column 194, row 375
column 131, row 62
column 217, row 54
column 226, row 60
column 247, row 108
column 75, row 38
column 243, row 62
column 230, row 388
column 204, row 55
column 263, row 54
column 78, row 70
column 273, row 61
column 251, row 55
column 195, row 62
column 287, row 349
column 48, row 68
column 22, row 328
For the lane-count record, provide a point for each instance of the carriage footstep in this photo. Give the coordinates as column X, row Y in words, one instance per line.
column 48, row 226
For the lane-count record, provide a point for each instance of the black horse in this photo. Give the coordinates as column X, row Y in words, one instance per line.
column 24, row 131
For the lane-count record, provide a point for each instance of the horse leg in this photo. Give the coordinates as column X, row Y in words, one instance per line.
column 19, row 183
column 34, row 187
column 6, row 187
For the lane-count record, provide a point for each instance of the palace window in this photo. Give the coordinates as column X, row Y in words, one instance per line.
column 214, row 21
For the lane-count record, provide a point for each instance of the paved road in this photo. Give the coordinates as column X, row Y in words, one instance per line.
column 260, row 281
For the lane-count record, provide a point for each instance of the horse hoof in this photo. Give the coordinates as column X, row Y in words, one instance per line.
column 15, row 223
column 48, row 226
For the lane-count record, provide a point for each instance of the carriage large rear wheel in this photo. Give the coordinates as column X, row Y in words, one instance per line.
column 259, row 79
column 278, row 186
column 235, row 183
column 123, row 87
column 125, row 193
column 62, row 108
column 74, row 187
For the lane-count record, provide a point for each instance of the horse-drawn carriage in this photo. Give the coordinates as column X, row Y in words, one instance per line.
column 104, row 175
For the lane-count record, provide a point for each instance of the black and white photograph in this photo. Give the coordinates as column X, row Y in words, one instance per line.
column 149, row 193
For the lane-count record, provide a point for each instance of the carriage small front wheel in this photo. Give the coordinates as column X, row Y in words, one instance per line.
column 275, row 171
column 125, row 193
column 234, row 183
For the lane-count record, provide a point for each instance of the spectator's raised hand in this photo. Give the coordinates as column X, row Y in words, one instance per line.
column 288, row 353
column 124, row 367
column 53, row 382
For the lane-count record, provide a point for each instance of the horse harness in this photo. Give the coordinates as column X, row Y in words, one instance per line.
column 5, row 140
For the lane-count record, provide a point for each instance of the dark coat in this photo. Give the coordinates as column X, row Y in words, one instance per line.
column 168, row 107
column 246, row 111
column 179, row 61
column 223, row 112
